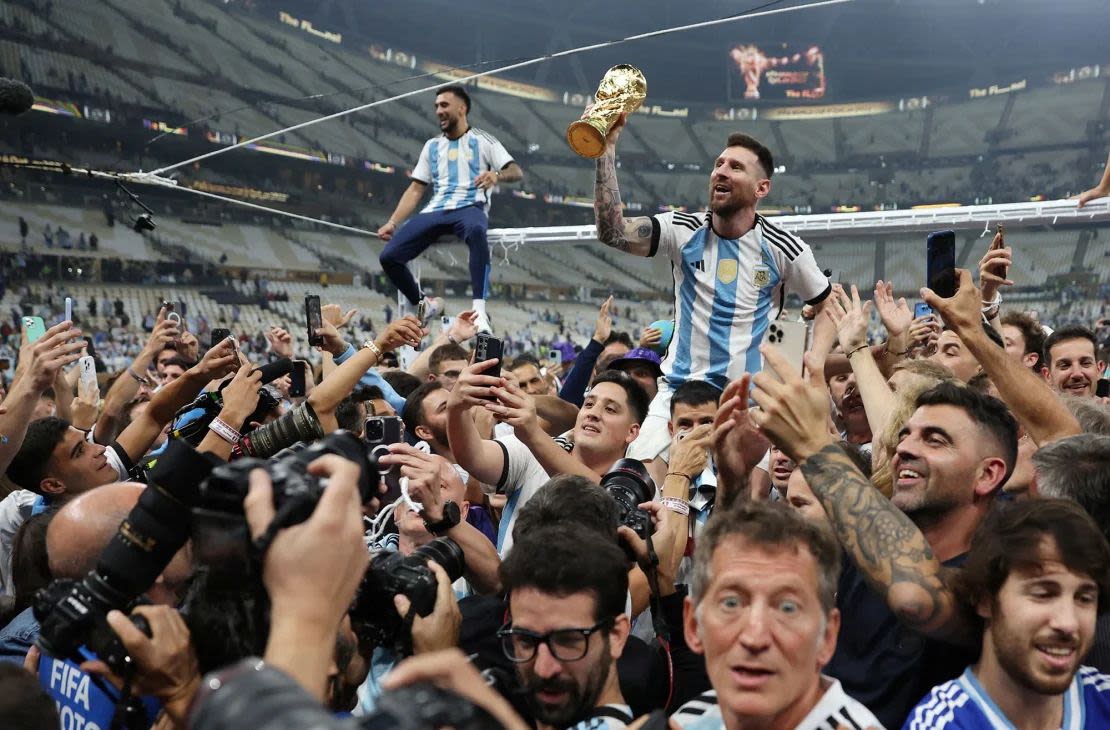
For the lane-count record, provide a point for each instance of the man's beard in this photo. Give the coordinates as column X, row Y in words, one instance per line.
column 580, row 700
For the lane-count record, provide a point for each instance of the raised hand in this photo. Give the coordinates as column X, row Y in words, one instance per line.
column 738, row 444
column 473, row 387
column 334, row 314
column 403, row 331
column 793, row 413
column 59, row 347
column 604, row 325
column 513, row 406
column 962, row 311
column 994, row 268
column 896, row 315
column 464, row 327
column 281, row 342
column 850, row 317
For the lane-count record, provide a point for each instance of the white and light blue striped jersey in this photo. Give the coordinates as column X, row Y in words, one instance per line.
column 833, row 711
column 963, row 704
column 452, row 165
column 727, row 291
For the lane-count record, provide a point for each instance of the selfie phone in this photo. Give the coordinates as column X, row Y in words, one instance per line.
column 88, row 372
column 1102, row 388
column 941, row 263
column 314, row 318
column 555, row 357
column 298, row 378
column 489, row 348
column 381, row 431
column 219, row 334
column 34, row 327
column 90, row 348
column 69, row 309
column 791, row 339
column 921, row 309
column 170, row 314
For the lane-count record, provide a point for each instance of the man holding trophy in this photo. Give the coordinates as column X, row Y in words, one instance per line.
column 732, row 267
column 462, row 165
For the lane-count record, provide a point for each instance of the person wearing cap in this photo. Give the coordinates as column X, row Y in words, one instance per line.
column 644, row 367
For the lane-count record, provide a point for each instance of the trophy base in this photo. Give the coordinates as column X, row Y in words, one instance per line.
column 586, row 140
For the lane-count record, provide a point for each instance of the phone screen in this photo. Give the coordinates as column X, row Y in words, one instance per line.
column 298, row 378
column 315, row 319
column 941, row 263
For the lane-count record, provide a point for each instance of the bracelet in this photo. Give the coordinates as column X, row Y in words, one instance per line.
column 679, row 474
column 373, row 347
column 451, row 339
column 141, row 380
column 853, row 352
column 674, row 504
column 994, row 302
column 224, row 431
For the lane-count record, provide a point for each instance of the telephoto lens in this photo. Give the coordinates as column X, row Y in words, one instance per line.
column 630, row 485
column 299, row 424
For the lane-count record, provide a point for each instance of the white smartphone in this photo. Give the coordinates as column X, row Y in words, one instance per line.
column 88, row 372
column 791, row 339
column 69, row 309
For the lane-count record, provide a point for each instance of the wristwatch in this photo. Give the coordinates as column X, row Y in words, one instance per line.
column 452, row 516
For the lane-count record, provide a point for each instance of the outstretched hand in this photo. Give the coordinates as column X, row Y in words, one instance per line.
column 794, row 412
column 738, row 444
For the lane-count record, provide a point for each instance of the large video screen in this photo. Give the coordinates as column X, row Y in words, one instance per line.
column 776, row 71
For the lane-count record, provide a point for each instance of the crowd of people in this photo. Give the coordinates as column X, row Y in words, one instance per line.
column 706, row 526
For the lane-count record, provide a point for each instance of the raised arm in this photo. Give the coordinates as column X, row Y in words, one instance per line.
column 850, row 317
column 633, row 236
column 1030, row 398
column 482, row 458
column 126, row 385
column 889, row 550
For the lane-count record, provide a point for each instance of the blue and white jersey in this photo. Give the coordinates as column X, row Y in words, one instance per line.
column 727, row 291
column 963, row 703
column 834, row 710
column 452, row 165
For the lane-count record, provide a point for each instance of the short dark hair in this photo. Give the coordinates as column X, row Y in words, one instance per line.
column 1010, row 538
column 549, row 559
column 638, row 400
column 29, row 466
column 987, row 411
column 768, row 524
column 402, row 383
column 622, row 337
column 348, row 415
column 980, row 382
column 445, row 352
column 413, row 412
column 458, row 91
column 568, row 497
column 695, row 393
column 182, row 362
column 23, row 703
column 525, row 358
column 766, row 160
column 1032, row 333
column 1070, row 332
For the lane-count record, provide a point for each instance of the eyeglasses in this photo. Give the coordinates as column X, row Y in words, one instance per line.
column 566, row 645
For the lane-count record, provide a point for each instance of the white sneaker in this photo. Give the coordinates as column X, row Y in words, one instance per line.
column 428, row 309
column 482, row 324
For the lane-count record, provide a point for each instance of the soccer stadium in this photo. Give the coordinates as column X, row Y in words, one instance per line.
column 230, row 198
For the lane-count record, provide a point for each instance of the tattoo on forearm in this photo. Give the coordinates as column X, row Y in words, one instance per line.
column 892, row 553
column 607, row 206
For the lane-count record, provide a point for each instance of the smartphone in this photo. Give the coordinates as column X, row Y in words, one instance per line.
column 34, row 327
column 181, row 309
column 314, row 318
column 170, row 314
column 298, row 377
column 1102, row 388
column 88, row 372
column 941, row 263
column 69, row 309
column 921, row 309
column 791, row 339
column 555, row 357
column 219, row 334
column 489, row 348
column 381, row 431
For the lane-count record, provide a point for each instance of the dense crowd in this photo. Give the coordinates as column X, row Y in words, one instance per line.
column 733, row 519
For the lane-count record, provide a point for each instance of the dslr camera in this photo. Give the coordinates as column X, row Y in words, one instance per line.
column 630, row 485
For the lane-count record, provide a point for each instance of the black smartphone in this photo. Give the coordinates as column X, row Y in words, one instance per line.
column 219, row 334
column 298, row 377
column 1102, row 388
column 314, row 318
column 941, row 263
column 381, row 431
column 489, row 348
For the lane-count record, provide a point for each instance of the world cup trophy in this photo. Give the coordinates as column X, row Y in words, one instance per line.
column 622, row 89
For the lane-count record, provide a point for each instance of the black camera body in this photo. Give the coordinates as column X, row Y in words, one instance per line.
column 374, row 616
column 77, row 615
column 630, row 485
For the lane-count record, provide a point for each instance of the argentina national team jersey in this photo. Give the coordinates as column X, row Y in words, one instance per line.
column 727, row 291
column 963, row 704
column 452, row 165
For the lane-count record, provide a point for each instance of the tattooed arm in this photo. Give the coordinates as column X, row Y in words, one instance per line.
column 889, row 550
column 633, row 236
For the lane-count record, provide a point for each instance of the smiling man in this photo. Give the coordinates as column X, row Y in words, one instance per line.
column 1038, row 572
column 463, row 164
column 1071, row 361
column 762, row 609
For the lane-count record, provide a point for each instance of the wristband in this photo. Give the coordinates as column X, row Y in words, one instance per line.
column 674, row 504
column 679, row 474
column 853, row 352
column 224, row 431
column 141, row 380
column 373, row 347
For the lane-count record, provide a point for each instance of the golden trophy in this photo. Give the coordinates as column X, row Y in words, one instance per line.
column 622, row 90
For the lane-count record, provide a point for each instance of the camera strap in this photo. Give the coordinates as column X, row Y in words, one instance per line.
column 658, row 621
column 262, row 543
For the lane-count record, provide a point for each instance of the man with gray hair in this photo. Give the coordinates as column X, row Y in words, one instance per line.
column 762, row 609
column 1078, row 468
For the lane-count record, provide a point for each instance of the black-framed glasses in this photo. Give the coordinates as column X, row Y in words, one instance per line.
column 566, row 645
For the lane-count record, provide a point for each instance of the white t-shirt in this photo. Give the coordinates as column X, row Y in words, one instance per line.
column 521, row 478
column 834, row 709
column 452, row 165
column 606, row 717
